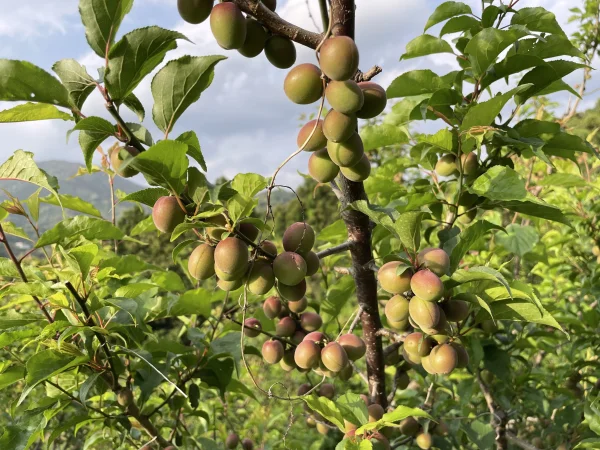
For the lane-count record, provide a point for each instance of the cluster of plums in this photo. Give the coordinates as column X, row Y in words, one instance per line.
column 419, row 301
column 233, row 440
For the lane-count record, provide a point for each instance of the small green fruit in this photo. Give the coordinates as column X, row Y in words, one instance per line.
column 359, row 171
column 228, row 25
column 339, row 58
column 289, row 268
column 303, row 84
column 317, row 140
column 338, row 127
column 389, row 279
column 201, row 264
column 375, row 100
column 299, row 237
column 346, row 153
column 120, row 156
column 446, row 165
column 344, row 96
column 256, row 37
column 321, row 168
column 194, row 11
column 167, row 214
column 280, row 51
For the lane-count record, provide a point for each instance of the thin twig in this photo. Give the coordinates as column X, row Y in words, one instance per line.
column 336, row 249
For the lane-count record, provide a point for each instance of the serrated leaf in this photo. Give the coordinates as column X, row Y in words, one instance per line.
column 102, row 19
column 487, row 45
column 484, row 114
column 11, row 376
column 93, row 131
column 164, row 164
column 446, row 11
column 537, row 19
column 180, row 247
column 194, row 149
column 30, row 112
column 479, row 273
column 144, row 226
column 248, row 184
column 13, row 230
column 77, row 81
column 376, row 136
column 393, row 417
column 327, row 409
column 458, row 24
column 415, row 82
column 21, row 166
column 134, row 104
column 88, row 227
column 519, row 239
column 426, row 45
column 141, row 132
column 408, row 228
column 72, row 203
column 132, row 290
column 146, row 196
column 197, row 301
column 467, row 238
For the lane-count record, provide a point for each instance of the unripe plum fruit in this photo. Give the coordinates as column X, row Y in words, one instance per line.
column 303, row 389
column 389, row 279
column 327, row 390
column 269, row 247
column 435, row 259
column 287, row 363
column 307, row 355
column 346, row 153
column 402, row 381
column 359, row 171
column 456, row 310
column 446, row 165
column 380, row 442
column 396, row 309
column 354, row 346
column 298, row 306
column 248, row 230
column 321, row 167
column 339, row 58
column 338, row 127
column 424, row 441
column 469, row 163
column 334, row 357
column 272, row 307
column 427, row 366
column 256, row 37
column 261, row 278
column 289, row 268
column 318, row 139
column 418, row 344
column 537, row 442
column 247, row 444
column 344, row 96
column 232, row 441
column 230, row 285
column 292, row 293
column 303, row 84
column 392, row 358
column 426, row 285
column 231, row 257
column 461, row 355
column 271, row 4
column 298, row 336
column 117, row 159
column 401, row 325
column 280, row 51
column 272, row 351
column 310, row 321
column 201, row 264
column 317, row 337
column 375, row 100
column 312, row 263
column 216, row 232
column 299, row 237
column 167, row 214
column 444, row 358
column 252, row 327
column 425, row 314
column 346, row 373
column 125, row 397
column 466, row 215
column 194, row 11
column 409, row 426
column 228, row 25
column 322, row 428
column 286, row 327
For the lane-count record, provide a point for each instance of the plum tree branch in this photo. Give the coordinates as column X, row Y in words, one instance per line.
column 499, row 417
column 337, row 249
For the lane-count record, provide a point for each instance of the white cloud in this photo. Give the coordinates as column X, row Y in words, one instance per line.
column 30, row 18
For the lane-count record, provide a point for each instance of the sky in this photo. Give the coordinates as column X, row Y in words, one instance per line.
column 244, row 121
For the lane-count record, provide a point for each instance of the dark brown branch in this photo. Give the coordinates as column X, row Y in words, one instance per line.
column 499, row 417
column 337, row 249
column 368, row 75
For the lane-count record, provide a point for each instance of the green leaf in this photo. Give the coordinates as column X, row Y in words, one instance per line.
column 169, row 281
column 377, row 136
column 134, row 104
column 565, row 144
column 72, row 203
column 136, row 55
column 21, row 166
column 509, row 66
column 77, row 81
column 479, row 273
column 249, row 184
column 467, row 238
column 146, row 196
column 30, row 112
column 88, row 384
column 88, row 227
column 11, row 376
column 164, row 164
column 393, row 417
column 565, row 180
column 197, row 301
column 13, row 230
column 519, row 239
column 549, row 47
column 485, row 47
column 93, row 131
column 132, row 290
column 102, row 19
column 194, row 149
column 537, row 19
column 141, row 132
column 588, row 444
column 415, row 82
column 179, row 84
column 459, row 24
column 408, row 227
column 533, row 207
column 144, row 226
column 426, row 45
column 480, row 433
column 180, row 247
column 84, row 255
column 338, row 295
column 326, row 408
column 544, row 77
column 484, row 114
column 446, row 11
column 23, row 81
column 500, row 183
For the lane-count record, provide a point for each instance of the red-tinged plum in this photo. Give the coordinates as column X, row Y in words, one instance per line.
column 327, row 390
column 427, row 285
column 252, row 327
column 292, row 293
column 359, row 171
column 321, row 167
column 427, row 365
column 411, row 358
column 201, row 264
column 249, row 230
column 334, row 357
column 231, row 257
column 256, row 37
column 289, row 268
column 232, row 441
column 338, row 127
column 307, row 355
column 446, row 165
column 436, row 260
column 228, row 25
column 456, row 310
column 312, row 263
column 298, row 306
column 375, row 100
column 299, row 237
column 272, row 351
column 425, row 314
column 194, row 11
column 444, row 358
column 247, row 444
column 310, row 321
column 286, row 327
column 261, row 278
column 339, row 58
column 317, row 141
column 269, row 247
column 391, row 281
column 167, row 214
column 346, row 153
column 119, row 159
column 316, row 337
column 280, row 51
column 272, row 307
column 303, row 389
column 344, row 96
column 303, row 84
column 354, row 346
column 418, row 344
column 396, row 309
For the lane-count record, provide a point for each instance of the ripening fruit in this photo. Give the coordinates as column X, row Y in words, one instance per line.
column 375, row 100
column 462, row 356
column 228, row 25
column 310, row 321
column 298, row 337
column 272, row 307
column 272, row 351
column 299, row 237
column 316, row 336
column 469, row 163
column 226, row 276
column 427, row 366
column 303, row 389
column 338, row 127
column 334, row 357
column 167, row 214
column 596, row 250
column 252, row 327
column 446, row 165
column 201, row 264
column 280, row 51
column 292, row 293
column 298, row 306
column 402, row 381
column 359, row 171
column 392, row 358
column 312, row 263
column 436, row 260
column 327, row 390
column 455, row 310
column 125, row 397
column 271, row 4
column 380, row 442
column 344, row 96
column 289, row 268
column 409, row 426
column 247, row 444
column 256, row 37
column 389, row 279
column 117, row 160
column 444, row 358
column 261, row 278
column 232, row 441
column 307, row 355
column 427, row 285
column 231, row 257
column 230, row 285
column 425, row 314
column 303, row 84
column 353, row 345
column 348, row 152
column 322, row 428
column 321, row 168
column 216, row 232
column 317, row 141
column 339, row 58
column 396, row 309
column 466, row 215
column 269, row 247
column 401, row 325
column 424, row 441
column 286, row 327
column 194, row 11
column 418, row 344
column 287, row 363
column 248, row 230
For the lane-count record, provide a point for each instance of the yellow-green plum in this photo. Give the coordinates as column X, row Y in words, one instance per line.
column 339, row 58
column 427, row 285
column 444, row 358
column 307, row 355
column 344, row 96
column 354, row 346
column 303, row 84
column 469, row 163
column 334, row 357
column 167, row 214
column 261, row 278
column 346, row 153
column 231, row 257
column 359, row 171
column 317, row 141
column 289, row 268
column 391, row 281
column 425, row 314
column 396, row 309
column 194, row 11
column 375, row 100
column 256, row 37
column 435, row 259
column 294, row 292
column 446, row 165
column 120, row 157
column 338, row 127
column 298, row 306
column 321, row 167
column 280, row 51
column 272, row 351
column 228, row 25
column 201, row 264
